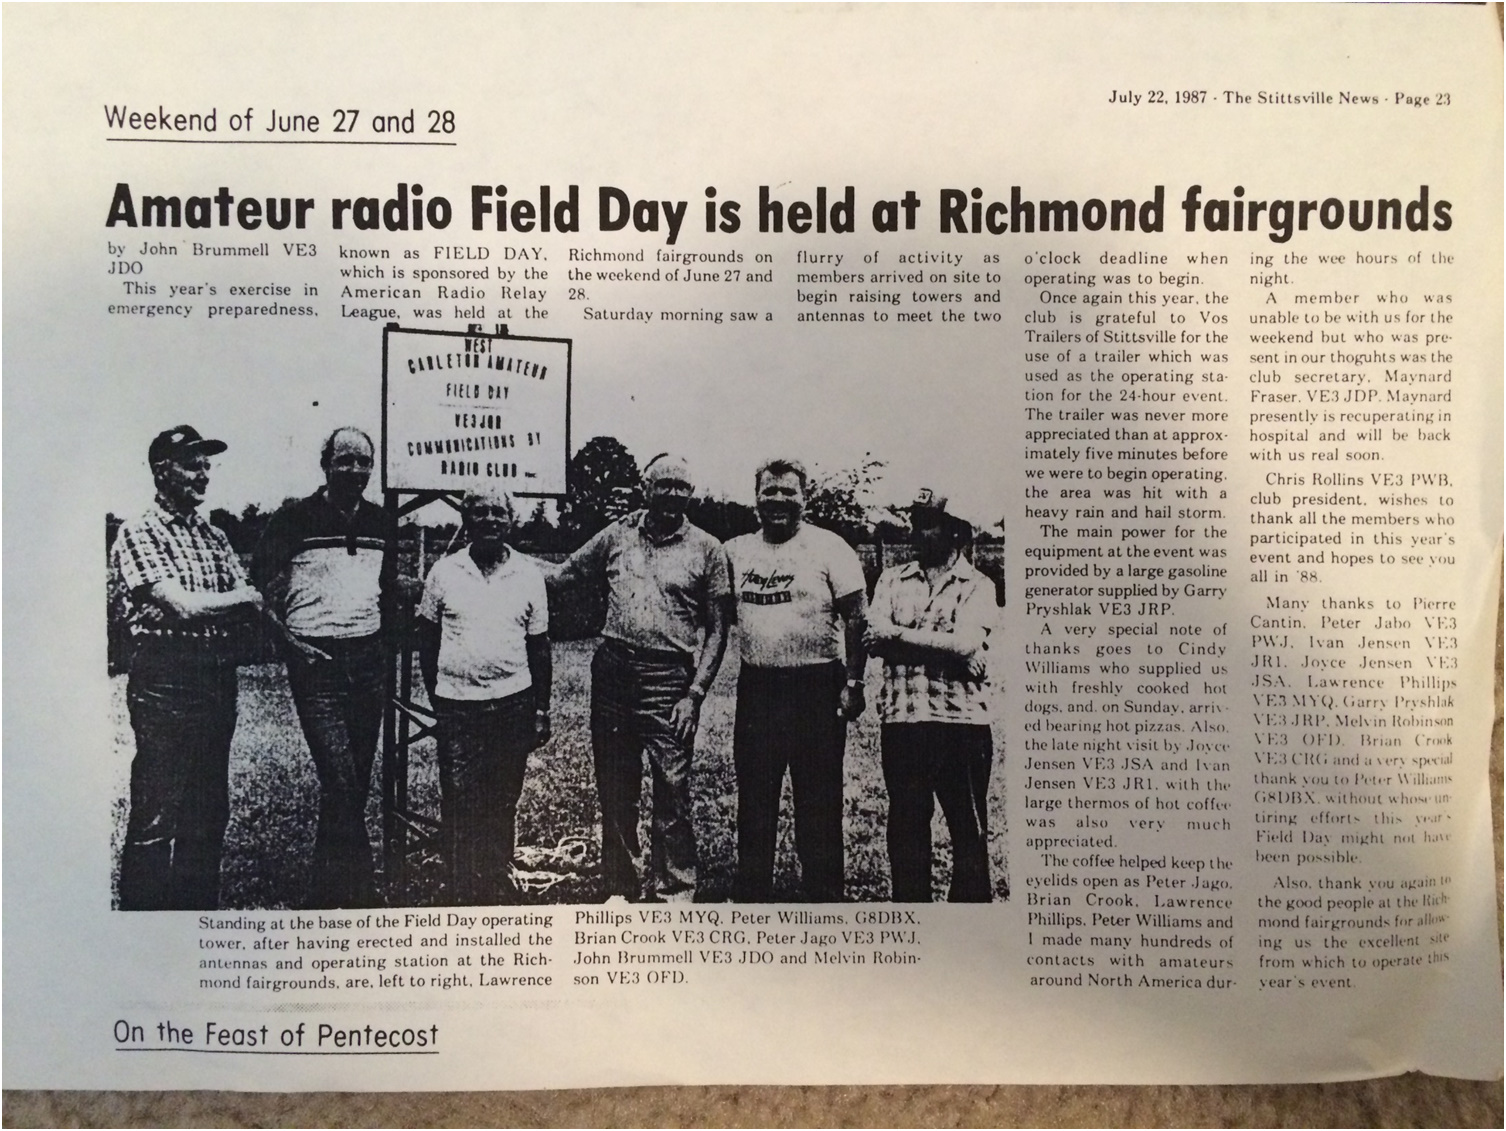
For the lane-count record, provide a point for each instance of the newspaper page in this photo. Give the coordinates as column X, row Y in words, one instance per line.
column 578, row 546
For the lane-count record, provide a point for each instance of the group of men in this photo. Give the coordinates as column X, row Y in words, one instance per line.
column 324, row 577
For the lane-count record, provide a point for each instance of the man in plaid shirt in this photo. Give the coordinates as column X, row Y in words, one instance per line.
column 183, row 584
column 930, row 621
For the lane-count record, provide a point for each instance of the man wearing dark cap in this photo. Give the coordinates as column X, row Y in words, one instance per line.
column 183, row 587
column 930, row 622
column 326, row 565
column 669, row 596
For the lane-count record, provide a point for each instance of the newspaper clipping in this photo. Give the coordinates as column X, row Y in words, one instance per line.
column 574, row 546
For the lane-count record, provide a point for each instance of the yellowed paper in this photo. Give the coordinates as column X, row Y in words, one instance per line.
column 1190, row 314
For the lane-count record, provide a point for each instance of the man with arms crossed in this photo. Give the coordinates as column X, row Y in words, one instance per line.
column 930, row 622
column 800, row 611
column 666, row 629
column 183, row 584
column 325, row 564
column 483, row 627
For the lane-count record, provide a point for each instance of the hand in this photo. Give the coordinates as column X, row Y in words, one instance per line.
column 541, row 727
column 977, row 669
column 880, row 633
column 850, row 702
column 306, row 650
column 685, row 718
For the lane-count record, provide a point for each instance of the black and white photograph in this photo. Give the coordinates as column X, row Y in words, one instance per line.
column 624, row 689
column 614, row 546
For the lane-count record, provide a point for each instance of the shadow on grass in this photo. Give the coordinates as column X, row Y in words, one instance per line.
column 274, row 799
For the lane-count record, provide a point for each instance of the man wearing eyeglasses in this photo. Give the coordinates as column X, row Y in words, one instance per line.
column 184, row 589
column 483, row 628
column 668, row 598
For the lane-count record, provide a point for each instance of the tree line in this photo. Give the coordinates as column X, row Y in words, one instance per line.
column 605, row 484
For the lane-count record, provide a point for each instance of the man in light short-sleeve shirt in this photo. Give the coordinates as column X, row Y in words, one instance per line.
column 800, row 613
column 484, row 649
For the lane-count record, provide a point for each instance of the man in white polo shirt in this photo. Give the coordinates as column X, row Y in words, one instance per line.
column 800, row 615
column 484, row 649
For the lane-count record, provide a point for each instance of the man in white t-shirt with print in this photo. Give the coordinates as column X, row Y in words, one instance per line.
column 800, row 610
column 484, row 649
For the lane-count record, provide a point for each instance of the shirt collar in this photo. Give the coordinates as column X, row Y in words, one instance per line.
column 322, row 494
column 167, row 514
column 637, row 520
column 960, row 570
column 507, row 565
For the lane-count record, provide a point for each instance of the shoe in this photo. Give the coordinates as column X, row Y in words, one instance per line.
column 616, row 901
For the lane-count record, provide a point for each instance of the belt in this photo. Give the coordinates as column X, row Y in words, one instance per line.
column 181, row 639
column 626, row 651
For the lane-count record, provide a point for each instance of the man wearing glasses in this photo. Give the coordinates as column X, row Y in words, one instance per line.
column 184, row 589
column 668, row 594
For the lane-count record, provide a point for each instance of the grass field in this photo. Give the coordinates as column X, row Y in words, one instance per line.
column 274, row 797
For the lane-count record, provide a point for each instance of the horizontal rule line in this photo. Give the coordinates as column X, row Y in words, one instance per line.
column 280, row 1052
column 267, row 141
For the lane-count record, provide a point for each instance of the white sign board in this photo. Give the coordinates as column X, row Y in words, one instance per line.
column 462, row 408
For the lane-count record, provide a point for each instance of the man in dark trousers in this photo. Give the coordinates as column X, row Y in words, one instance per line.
column 668, row 594
column 800, row 612
column 483, row 626
column 325, row 566
column 930, row 621
column 184, row 587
